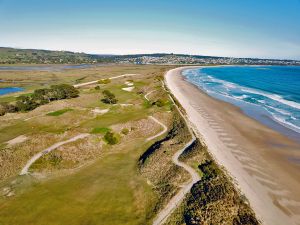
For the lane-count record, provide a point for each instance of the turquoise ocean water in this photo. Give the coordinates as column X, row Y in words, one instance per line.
column 270, row 94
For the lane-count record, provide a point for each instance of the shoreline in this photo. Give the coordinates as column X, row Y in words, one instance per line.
column 256, row 112
column 255, row 156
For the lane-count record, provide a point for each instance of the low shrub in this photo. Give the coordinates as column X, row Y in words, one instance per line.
column 110, row 138
column 7, row 108
column 125, row 131
column 160, row 103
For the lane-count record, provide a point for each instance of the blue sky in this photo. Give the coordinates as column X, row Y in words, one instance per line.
column 238, row 28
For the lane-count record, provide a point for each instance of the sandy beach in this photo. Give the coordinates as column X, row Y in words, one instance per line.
column 255, row 156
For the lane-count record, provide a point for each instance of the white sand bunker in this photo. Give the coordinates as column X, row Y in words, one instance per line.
column 126, row 104
column 100, row 111
column 17, row 140
column 129, row 83
column 128, row 89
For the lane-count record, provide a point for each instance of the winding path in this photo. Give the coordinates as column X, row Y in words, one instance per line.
column 176, row 200
column 146, row 95
column 160, row 133
column 47, row 150
column 164, row 214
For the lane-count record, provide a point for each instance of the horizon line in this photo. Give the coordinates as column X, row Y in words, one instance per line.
column 153, row 53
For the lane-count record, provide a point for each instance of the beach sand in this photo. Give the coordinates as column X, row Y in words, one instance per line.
column 256, row 157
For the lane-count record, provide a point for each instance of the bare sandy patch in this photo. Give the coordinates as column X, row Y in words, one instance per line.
column 129, row 89
column 100, row 111
column 17, row 140
column 129, row 83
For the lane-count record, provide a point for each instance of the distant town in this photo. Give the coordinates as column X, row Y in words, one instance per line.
column 34, row 56
column 166, row 59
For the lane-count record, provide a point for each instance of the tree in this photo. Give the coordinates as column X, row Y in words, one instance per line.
column 109, row 98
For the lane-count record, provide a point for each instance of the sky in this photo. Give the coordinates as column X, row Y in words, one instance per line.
column 234, row 28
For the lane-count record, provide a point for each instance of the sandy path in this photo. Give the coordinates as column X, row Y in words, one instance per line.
column 248, row 150
column 96, row 81
column 149, row 93
column 47, row 150
column 177, row 199
column 160, row 133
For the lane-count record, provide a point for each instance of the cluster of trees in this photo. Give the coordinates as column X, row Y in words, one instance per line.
column 108, row 97
column 40, row 97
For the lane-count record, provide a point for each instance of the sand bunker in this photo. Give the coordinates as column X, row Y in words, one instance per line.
column 17, row 140
column 126, row 105
column 128, row 89
column 100, row 111
column 129, row 83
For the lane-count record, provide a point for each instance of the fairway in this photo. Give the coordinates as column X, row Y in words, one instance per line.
column 110, row 191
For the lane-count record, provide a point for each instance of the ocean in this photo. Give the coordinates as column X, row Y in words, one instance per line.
column 8, row 90
column 269, row 94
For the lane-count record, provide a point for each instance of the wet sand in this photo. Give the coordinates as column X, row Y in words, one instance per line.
column 262, row 162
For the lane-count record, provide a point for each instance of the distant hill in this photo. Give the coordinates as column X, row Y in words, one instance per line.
column 35, row 56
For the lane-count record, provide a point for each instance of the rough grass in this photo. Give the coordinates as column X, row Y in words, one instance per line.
column 157, row 166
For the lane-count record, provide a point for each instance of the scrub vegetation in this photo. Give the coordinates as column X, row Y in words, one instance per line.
column 213, row 199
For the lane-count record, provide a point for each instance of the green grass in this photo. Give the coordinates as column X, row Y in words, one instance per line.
column 100, row 130
column 115, row 116
column 109, row 192
column 59, row 112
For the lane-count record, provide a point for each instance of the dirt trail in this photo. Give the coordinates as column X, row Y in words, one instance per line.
column 164, row 214
column 160, row 133
column 47, row 150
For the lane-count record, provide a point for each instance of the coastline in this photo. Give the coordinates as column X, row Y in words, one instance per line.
column 255, row 156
